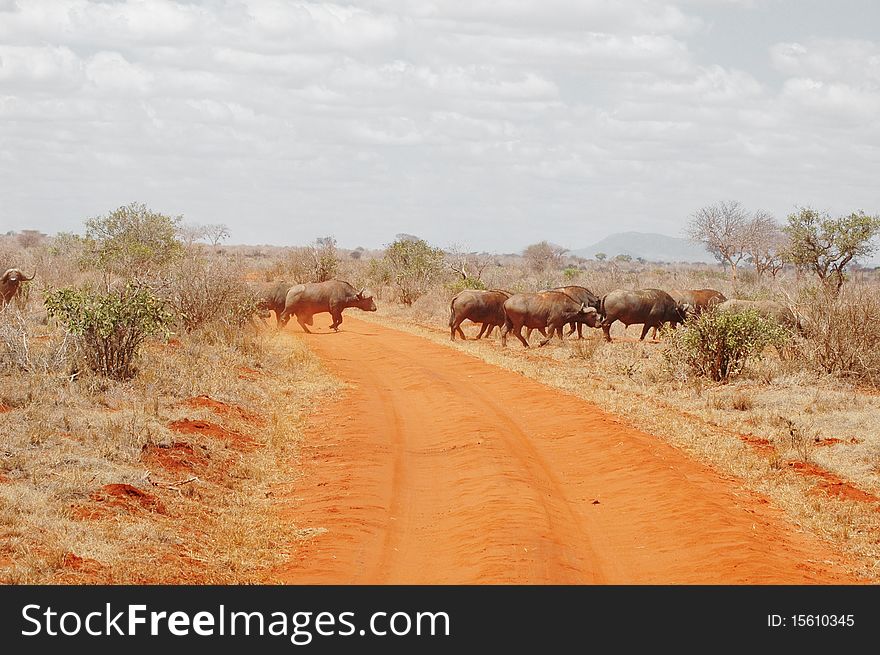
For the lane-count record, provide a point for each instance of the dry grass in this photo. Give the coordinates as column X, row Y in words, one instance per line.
column 803, row 416
column 62, row 440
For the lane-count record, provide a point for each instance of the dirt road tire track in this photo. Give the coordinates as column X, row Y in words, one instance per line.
column 433, row 467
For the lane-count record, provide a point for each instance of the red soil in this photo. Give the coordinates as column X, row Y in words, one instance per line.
column 206, row 428
column 123, row 496
column 434, row 467
column 832, row 485
column 4, row 408
column 225, row 409
column 178, row 457
column 758, row 443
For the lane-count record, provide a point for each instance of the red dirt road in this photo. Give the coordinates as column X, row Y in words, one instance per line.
column 436, row 468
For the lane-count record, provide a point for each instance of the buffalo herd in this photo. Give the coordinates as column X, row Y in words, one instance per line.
column 547, row 311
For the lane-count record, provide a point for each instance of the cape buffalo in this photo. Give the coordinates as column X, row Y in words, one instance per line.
column 651, row 307
column 544, row 310
column 486, row 307
column 584, row 295
column 273, row 297
column 767, row 308
column 699, row 300
column 306, row 300
column 9, row 283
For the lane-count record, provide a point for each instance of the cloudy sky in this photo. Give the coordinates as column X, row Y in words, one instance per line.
column 488, row 124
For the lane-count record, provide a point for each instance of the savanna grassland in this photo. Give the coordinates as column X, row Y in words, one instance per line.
column 170, row 468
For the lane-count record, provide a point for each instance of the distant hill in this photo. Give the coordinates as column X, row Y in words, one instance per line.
column 652, row 247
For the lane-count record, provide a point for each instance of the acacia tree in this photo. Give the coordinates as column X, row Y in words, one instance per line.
column 724, row 229
column 828, row 245
column 544, row 256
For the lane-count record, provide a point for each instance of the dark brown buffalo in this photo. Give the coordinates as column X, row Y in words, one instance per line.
column 273, row 297
column 651, row 307
column 699, row 300
column 10, row 282
column 548, row 310
column 306, row 300
column 583, row 295
column 485, row 307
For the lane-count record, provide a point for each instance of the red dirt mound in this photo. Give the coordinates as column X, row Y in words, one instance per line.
column 178, row 457
column 124, row 496
column 5, row 408
column 832, row 485
column 758, row 443
column 225, row 409
column 208, row 429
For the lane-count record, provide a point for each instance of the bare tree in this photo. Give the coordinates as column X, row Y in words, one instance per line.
column 766, row 244
column 216, row 233
column 724, row 228
column 189, row 233
column 469, row 265
column 543, row 256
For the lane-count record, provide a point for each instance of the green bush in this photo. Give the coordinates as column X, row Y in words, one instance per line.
column 465, row 283
column 718, row 345
column 132, row 242
column 411, row 266
column 109, row 327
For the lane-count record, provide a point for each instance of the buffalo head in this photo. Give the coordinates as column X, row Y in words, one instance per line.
column 589, row 315
column 9, row 282
column 365, row 301
column 685, row 311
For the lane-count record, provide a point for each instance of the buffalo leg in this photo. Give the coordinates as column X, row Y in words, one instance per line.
column 606, row 329
column 518, row 332
column 482, row 330
column 541, row 331
column 302, row 320
column 645, row 329
column 461, row 332
column 504, row 330
column 557, row 330
column 337, row 319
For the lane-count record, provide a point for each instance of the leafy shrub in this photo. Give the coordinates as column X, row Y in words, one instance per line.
column 133, row 242
column 411, row 266
column 718, row 345
column 465, row 283
column 109, row 327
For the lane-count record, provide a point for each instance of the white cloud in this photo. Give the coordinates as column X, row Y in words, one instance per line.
column 846, row 60
column 369, row 118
